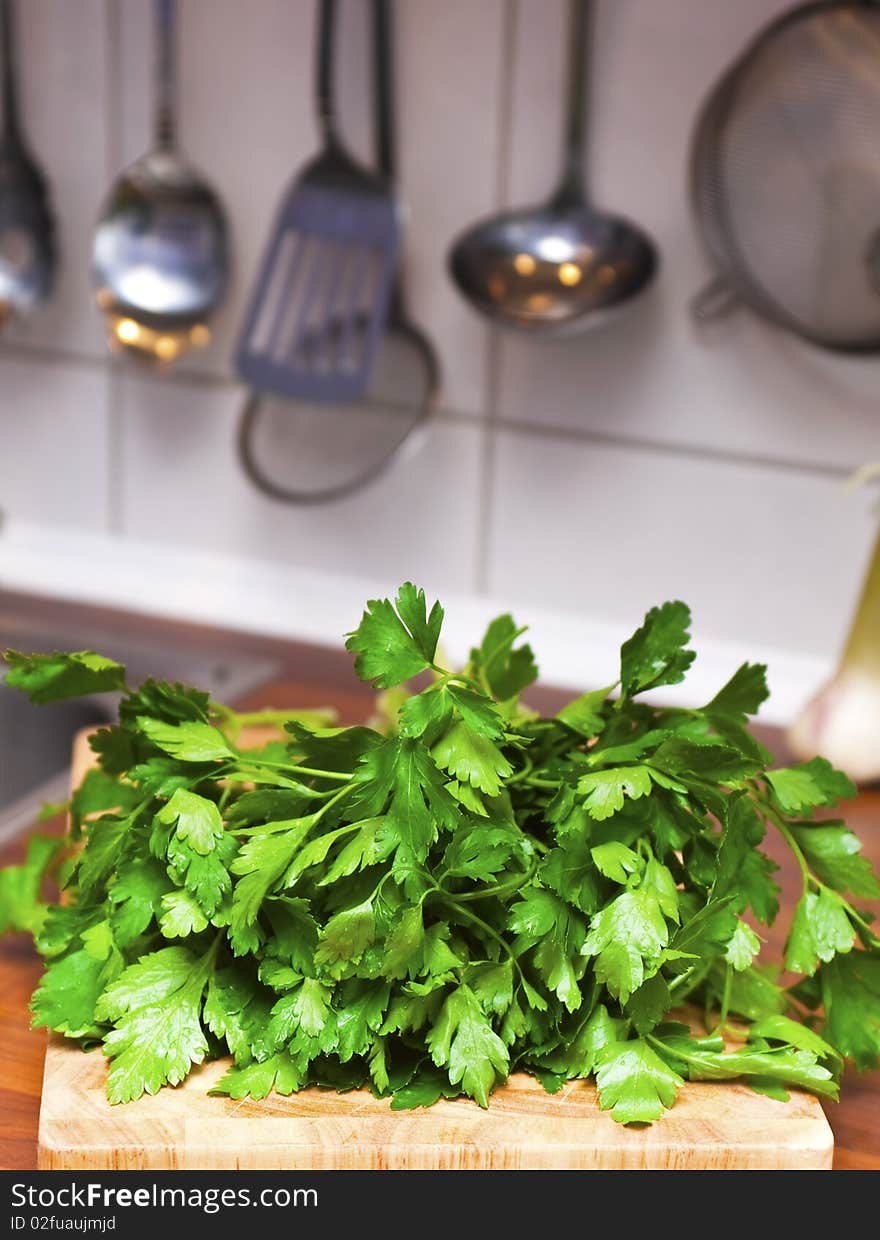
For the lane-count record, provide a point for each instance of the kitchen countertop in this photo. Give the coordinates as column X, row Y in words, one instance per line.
column 309, row 677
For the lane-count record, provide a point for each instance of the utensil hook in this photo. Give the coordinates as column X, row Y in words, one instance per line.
column 326, row 94
column 11, row 135
column 166, row 74
column 572, row 188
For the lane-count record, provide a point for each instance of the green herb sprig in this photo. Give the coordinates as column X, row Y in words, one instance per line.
column 424, row 906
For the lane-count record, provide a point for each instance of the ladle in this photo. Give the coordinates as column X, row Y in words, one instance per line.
column 159, row 261
column 562, row 267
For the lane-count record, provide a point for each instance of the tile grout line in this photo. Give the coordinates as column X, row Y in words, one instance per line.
column 114, row 458
column 490, row 422
column 713, row 456
column 28, row 354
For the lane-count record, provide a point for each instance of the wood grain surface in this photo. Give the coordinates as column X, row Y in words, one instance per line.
column 716, row 1127
column 855, row 1121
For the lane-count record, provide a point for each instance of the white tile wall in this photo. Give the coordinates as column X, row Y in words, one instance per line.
column 595, row 476
column 772, row 556
column 181, row 483
column 53, row 443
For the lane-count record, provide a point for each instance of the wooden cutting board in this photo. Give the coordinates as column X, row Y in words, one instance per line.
column 713, row 1127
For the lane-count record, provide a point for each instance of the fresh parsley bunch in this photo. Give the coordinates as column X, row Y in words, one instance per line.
column 426, row 905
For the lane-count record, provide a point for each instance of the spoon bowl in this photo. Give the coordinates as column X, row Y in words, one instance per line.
column 159, row 255
column 27, row 243
column 553, row 269
column 563, row 267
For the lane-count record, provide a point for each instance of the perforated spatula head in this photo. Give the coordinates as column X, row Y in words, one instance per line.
column 330, row 261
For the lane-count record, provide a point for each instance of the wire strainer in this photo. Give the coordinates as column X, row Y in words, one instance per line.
column 785, row 177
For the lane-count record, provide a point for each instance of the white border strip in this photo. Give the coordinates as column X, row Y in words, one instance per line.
column 276, row 600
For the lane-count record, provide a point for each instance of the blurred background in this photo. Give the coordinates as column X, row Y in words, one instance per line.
column 576, row 481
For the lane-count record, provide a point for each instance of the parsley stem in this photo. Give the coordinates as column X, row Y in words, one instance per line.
column 806, row 873
column 301, row 770
column 681, row 978
column 484, row 926
column 460, row 678
column 321, row 716
column 725, row 999
column 277, row 828
column 690, row 979
column 500, row 889
column 522, row 774
column 677, row 1053
column 233, row 722
column 785, row 831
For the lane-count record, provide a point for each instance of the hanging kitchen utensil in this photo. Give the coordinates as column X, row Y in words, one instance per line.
column 160, row 261
column 560, row 268
column 329, row 451
column 329, row 263
column 785, row 177
column 27, row 233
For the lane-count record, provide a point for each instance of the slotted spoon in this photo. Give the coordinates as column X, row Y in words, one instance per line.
column 329, row 263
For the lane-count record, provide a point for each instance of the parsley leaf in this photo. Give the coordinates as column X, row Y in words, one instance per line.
column 156, row 1009
column 635, row 1084
column 464, row 1042
column 604, row 791
column 850, row 988
column 261, row 863
column 820, row 929
column 400, row 777
column 656, row 654
column 585, row 714
column 834, row 854
column 188, row 742
column 465, row 886
column 799, row 789
column 741, row 696
column 626, row 938
column 278, row 1074
column 472, row 758
column 69, row 990
column 20, row 905
column 51, row 677
column 504, row 668
column 395, row 642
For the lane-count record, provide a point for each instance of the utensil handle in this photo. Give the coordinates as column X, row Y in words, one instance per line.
column 166, row 74
column 324, row 75
column 7, row 71
column 572, row 188
column 385, row 137
column 383, row 85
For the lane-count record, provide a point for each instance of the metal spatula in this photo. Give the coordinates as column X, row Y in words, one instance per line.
column 329, row 262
